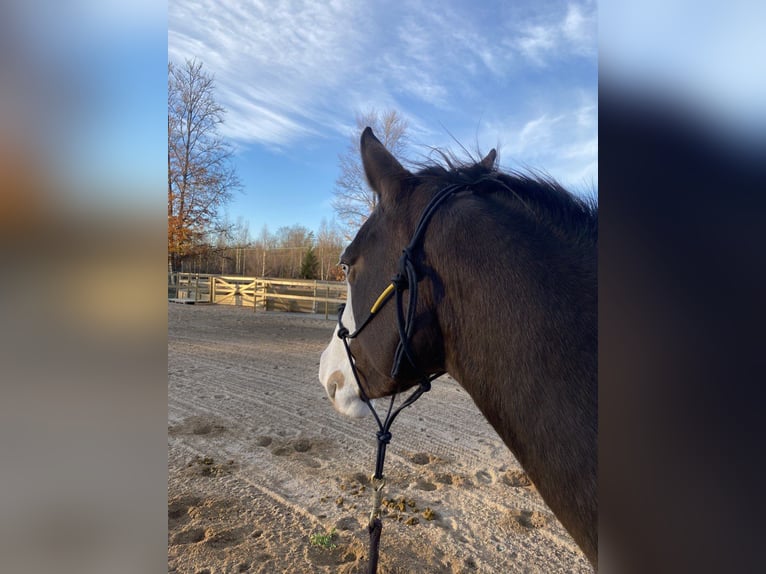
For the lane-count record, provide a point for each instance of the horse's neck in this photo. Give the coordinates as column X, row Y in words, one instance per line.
column 529, row 363
column 542, row 406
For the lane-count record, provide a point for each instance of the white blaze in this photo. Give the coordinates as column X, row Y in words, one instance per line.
column 335, row 371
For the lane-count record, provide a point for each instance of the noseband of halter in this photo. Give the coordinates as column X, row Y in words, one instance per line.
column 405, row 280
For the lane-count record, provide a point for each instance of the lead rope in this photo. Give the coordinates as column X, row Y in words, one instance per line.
column 378, row 480
column 405, row 279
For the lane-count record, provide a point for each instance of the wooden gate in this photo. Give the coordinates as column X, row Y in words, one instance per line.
column 261, row 293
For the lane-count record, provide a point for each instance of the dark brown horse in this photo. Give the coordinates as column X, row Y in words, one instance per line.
column 506, row 282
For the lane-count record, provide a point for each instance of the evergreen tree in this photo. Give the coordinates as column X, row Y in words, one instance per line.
column 309, row 265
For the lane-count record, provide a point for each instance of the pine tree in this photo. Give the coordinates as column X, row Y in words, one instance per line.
column 309, row 265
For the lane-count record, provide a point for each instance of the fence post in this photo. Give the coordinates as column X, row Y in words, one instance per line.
column 326, row 297
column 212, row 288
column 258, row 284
column 196, row 289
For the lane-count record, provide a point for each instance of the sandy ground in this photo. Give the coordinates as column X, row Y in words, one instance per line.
column 260, row 465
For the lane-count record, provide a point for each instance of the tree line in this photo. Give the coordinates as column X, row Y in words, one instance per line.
column 202, row 179
column 293, row 252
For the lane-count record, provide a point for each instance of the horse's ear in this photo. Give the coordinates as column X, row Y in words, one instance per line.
column 489, row 161
column 383, row 171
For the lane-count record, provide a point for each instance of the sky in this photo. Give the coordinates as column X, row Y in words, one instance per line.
column 293, row 74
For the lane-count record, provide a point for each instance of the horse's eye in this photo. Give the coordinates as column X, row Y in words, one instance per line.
column 344, row 268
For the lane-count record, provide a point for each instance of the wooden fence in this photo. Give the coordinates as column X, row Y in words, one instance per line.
column 260, row 293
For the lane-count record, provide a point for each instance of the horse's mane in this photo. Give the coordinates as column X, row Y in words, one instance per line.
column 537, row 193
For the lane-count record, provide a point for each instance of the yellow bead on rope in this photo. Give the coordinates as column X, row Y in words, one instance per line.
column 380, row 300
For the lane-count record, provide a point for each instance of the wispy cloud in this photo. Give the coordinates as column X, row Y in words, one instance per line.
column 293, row 74
column 308, row 63
column 537, row 41
column 276, row 65
column 537, row 133
column 573, row 32
column 562, row 142
column 579, row 27
column 297, row 70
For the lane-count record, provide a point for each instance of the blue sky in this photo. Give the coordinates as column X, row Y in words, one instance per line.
column 292, row 74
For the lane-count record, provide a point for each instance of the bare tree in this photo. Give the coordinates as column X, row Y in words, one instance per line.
column 330, row 243
column 353, row 199
column 293, row 242
column 291, row 252
column 201, row 177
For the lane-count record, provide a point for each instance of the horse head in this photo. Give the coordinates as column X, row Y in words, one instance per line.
column 370, row 263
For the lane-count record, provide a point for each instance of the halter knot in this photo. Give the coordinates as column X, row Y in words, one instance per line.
column 384, row 437
column 400, row 281
column 405, row 259
column 342, row 331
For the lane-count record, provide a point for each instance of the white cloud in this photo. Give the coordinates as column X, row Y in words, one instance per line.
column 438, row 53
column 537, row 41
column 256, row 122
column 290, row 69
column 300, row 69
column 576, row 27
column 277, row 66
column 562, row 142
column 573, row 33
column 537, row 133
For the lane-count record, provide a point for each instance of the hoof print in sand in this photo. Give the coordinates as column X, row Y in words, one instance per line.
column 198, row 425
column 189, row 536
column 178, row 510
column 294, row 448
column 483, row 477
column 425, row 485
column 225, row 538
column 361, row 478
column 302, row 445
column 517, row 478
column 208, row 466
column 445, row 478
column 263, row 440
column 526, row 520
column 421, row 458
column 347, row 523
column 281, row 451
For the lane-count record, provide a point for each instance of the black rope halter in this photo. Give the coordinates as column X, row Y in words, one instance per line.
column 405, row 280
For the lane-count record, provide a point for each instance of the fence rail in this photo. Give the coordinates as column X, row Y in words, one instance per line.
column 261, row 293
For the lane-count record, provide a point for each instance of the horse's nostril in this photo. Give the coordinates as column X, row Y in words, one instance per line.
column 334, row 382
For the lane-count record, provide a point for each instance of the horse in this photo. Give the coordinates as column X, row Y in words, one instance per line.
column 502, row 274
